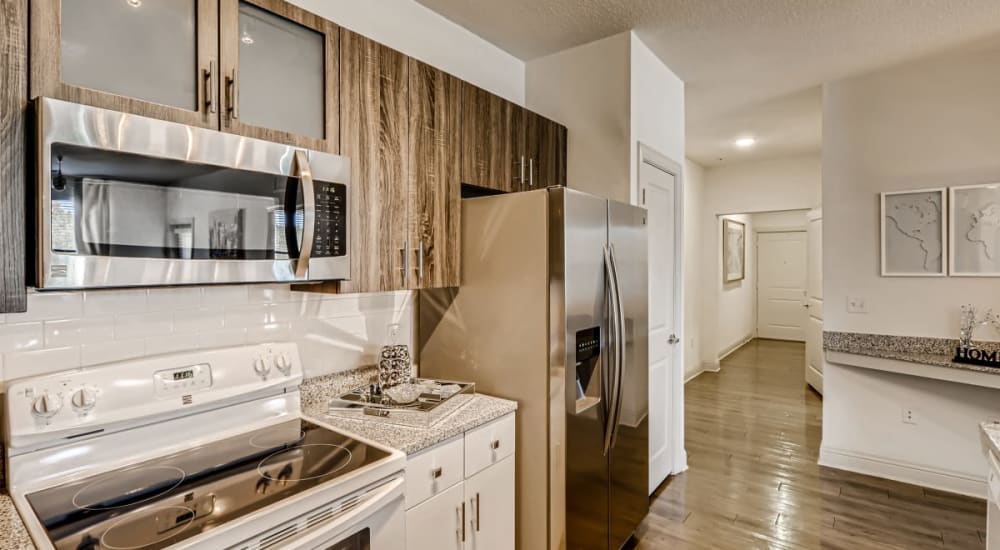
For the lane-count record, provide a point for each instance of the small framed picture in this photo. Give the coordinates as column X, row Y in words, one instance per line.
column 975, row 230
column 734, row 238
column 914, row 233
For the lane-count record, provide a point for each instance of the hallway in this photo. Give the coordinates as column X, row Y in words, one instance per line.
column 753, row 434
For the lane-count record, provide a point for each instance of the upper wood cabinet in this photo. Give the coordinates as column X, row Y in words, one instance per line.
column 508, row 148
column 374, row 134
column 154, row 58
column 546, row 152
column 434, row 176
column 13, row 106
column 280, row 73
column 489, row 140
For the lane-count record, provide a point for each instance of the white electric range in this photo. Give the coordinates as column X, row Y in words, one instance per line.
column 199, row 450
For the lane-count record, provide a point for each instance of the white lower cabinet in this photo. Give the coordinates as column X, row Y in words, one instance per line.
column 473, row 510
column 489, row 496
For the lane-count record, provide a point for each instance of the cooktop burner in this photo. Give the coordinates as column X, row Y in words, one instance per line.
column 161, row 502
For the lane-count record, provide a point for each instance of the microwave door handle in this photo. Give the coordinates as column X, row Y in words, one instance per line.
column 304, row 172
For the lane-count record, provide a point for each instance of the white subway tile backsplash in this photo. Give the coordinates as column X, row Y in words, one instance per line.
column 171, row 343
column 21, row 336
column 73, row 332
column 196, row 320
column 19, row 364
column 106, row 302
column 49, row 305
column 173, row 299
column 142, row 325
column 111, row 351
column 224, row 296
column 222, row 338
column 65, row 329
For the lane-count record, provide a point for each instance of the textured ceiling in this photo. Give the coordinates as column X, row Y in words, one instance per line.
column 751, row 66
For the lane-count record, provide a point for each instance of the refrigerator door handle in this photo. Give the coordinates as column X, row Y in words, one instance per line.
column 619, row 349
column 613, row 370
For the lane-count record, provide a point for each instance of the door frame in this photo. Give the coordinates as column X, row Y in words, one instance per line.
column 756, row 261
column 652, row 157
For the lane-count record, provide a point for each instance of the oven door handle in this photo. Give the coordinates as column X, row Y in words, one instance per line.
column 304, row 172
column 347, row 523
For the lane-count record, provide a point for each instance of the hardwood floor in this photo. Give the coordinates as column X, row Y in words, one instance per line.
column 753, row 433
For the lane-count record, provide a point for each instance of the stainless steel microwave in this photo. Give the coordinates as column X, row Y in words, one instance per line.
column 125, row 200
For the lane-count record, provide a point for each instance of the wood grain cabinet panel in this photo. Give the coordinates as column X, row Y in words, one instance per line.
column 434, row 176
column 158, row 59
column 546, row 151
column 13, row 106
column 280, row 74
column 488, row 143
column 374, row 135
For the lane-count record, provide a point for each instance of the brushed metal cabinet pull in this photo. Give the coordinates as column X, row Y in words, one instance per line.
column 522, row 173
column 209, row 88
column 477, row 512
column 463, row 521
column 495, row 444
column 531, row 173
column 436, row 473
column 405, row 269
column 233, row 94
column 420, row 261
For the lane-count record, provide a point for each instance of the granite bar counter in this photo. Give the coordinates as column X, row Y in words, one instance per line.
column 476, row 410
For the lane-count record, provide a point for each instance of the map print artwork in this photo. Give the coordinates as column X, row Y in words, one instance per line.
column 913, row 233
column 976, row 230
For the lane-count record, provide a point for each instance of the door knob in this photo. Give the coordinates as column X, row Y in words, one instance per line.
column 673, row 339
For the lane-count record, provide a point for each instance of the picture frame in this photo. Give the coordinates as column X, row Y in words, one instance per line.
column 974, row 230
column 914, row 233
column 734, row 238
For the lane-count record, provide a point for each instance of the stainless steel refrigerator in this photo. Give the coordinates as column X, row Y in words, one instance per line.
column 552, row 313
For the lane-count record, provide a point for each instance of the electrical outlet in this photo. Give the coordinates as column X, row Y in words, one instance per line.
column 857, row 304
column 909, row 416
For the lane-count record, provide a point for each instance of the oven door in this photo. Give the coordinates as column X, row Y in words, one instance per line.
column 131, row 201
column 376, row 522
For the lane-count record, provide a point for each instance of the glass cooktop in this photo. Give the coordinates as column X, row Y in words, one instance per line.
column 158, row 503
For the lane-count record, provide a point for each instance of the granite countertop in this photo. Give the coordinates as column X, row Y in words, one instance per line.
column 936, row 352
column 13, row 534
column 479, row 409
column 991, row 435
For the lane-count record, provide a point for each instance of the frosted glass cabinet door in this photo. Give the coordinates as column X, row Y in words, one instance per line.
column 149, row 57
column 280, row 73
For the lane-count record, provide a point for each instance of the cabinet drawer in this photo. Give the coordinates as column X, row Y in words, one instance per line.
column 489, row 444
column 434, row 471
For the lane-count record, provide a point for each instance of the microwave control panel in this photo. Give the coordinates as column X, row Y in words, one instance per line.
column 331, row 220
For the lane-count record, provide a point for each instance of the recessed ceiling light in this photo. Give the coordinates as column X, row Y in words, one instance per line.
column 246, row 38
column 134, row 3
column 745, row 142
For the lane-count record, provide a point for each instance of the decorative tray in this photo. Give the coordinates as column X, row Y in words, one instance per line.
column 421, row 403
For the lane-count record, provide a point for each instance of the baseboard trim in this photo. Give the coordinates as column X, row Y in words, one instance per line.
column 706, row 366
column 933, row 478
column 739, row 344
column 814, row 378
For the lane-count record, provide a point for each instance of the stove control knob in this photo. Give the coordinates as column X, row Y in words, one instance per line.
column 84, row 399
column 261, row 367
column 46, row 405
column 283, row 364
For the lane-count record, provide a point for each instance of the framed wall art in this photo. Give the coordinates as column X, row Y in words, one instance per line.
column 734, row 238
column 914, row 233
column 975, row 230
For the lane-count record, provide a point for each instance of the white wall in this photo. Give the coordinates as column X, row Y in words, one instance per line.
column 786, row 220
column 63, row 330
column 694, row 183
column 737, row 301
column 586, row 88
column 929, row 123
column 790, row 183
column 656, row 109
column 422, row 33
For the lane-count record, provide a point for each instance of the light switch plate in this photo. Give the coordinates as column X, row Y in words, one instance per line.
column 857, row 304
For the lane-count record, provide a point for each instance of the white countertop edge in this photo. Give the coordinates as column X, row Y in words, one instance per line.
column 958, row 376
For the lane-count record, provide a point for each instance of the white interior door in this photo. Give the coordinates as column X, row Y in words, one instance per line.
column 781, row 285
column 660, row 192
column 814, row 301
